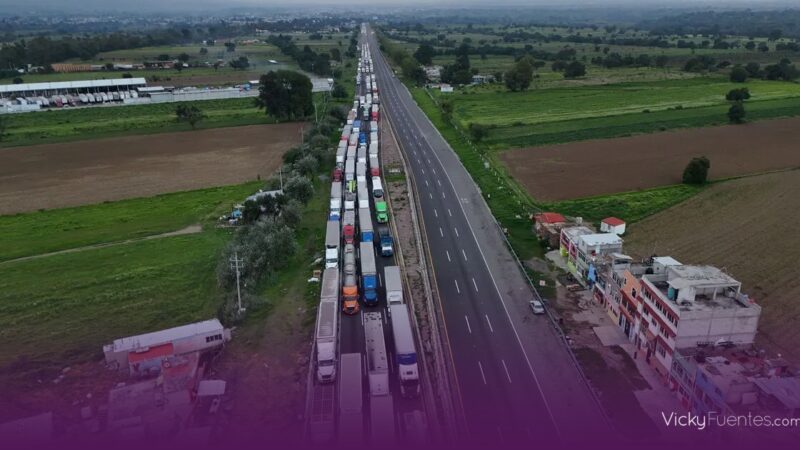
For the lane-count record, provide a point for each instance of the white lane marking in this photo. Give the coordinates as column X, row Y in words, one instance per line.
column 456, row 230
column 483, row 375
column 457, row 288
column 448, row 256
column 435, row 213
column 469, row 328
column 423, row 170
column 426, row 183
column 449, row 212
column 433, row 170
column 440, row 183
column 441, row 232
column 380, row 280
column 430, row 195
column 505, row 308
column 508, row 375
column 465, row 255
column 475, row 284
column 489, row 322
column 443, row 195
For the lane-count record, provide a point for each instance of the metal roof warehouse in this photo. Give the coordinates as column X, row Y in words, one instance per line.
column 25, row 89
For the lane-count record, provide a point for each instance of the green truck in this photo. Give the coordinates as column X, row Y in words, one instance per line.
column 381, row 212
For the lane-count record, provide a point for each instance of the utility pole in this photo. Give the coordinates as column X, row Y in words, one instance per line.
column 235, row 264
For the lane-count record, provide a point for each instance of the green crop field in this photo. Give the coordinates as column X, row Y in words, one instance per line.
column 87, row 123
column 53, row 230
column 61, row 309
column 494, row 105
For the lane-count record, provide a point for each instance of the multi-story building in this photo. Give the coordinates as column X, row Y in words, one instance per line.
column 686, row 306
column 618, row 284
column 733, row 379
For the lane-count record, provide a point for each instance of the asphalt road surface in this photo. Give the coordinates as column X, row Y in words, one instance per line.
column 517, row 381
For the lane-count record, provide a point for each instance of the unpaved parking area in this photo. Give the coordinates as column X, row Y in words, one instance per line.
column 84, row 172
column 588, row 168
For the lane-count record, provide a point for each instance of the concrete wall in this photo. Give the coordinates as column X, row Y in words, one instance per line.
column 738, row 325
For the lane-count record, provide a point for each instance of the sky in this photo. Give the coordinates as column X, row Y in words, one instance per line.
column 83, row 6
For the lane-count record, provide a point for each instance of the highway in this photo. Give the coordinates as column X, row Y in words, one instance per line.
column 516, row 380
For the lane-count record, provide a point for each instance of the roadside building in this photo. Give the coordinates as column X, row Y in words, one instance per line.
column 568, row 245
column 732, row 380
column 433, row 73
column 547, row 226
column 139, row 354
column 591, row 250
column 612, row 225
column 686, row 306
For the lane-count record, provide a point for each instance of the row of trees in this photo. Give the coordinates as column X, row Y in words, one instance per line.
column 307, row 59
column 268, row 242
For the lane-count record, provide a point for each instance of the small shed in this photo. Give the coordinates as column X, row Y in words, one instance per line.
column 612, row 225
column 547, row 226
column 445, row 88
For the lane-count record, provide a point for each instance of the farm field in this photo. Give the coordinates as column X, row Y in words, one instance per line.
column 748, row 226
column 499, row 107
column 589, row 168
column 60, row 309
column 106, row 121
column 77, row 173
column 40, row 232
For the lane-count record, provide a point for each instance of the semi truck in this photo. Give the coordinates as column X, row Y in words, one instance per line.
column 394, row 287
column 385, row 240
column 332, row 241
column 381, row 212
column 362, row 156
column 349, row 226
column 377, row 362
column 374, row 167
column 369, row 275
column 336, row 201
column 382, row 430
column 356, row 126
column 350, row 170
column 363, row 198
column 351, row 391
column 377, row 187
column 405, row 352
column 365, row 224
column 373, row 149
column 327, row 316
column 349, row 201
column 349, row 282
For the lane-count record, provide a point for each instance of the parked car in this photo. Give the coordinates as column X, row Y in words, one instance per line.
column 537, row 307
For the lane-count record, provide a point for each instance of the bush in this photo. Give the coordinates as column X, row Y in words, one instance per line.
column 299, row 188
column 696, row 172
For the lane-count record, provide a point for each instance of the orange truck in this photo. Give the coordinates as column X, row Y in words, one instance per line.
column 350, row 281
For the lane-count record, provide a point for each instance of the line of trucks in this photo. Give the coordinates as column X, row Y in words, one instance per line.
column 351, row 273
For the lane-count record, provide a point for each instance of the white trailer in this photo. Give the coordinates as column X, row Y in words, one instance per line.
column 327, row 329
column 332, row 241
column 351, row 418
column 394, row 287
column 377, row 362
column 405, row 352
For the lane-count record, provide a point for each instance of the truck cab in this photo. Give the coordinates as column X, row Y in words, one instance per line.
column 381, row 212
column 349, row 232
column 386, row 241
column 337, row 174
column 331, row 258
column 336, row 209
column 350, row 295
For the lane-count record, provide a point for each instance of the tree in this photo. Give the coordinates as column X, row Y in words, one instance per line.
column 338, row 91
column 3, row 127
column 127, row 75
column 738, row 74
column 190, row 114
column 424, row 54
column 478, row 131
column 336, row 54
column 736, row 112
column 240, row 63
column 661, row 61
column 738, row 95
column 285, row 94
column 447, row 109
column 203, row 51
column 696, row 172
column 299, row 188
column 18, row 80
column 184, row 57
column 753, row 69
column 520, row 76
column 163, row 57
column 230, row 47
column 307, row 165
column 574, row 69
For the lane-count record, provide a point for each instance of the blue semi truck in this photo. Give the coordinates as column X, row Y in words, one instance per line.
column 369, row 275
